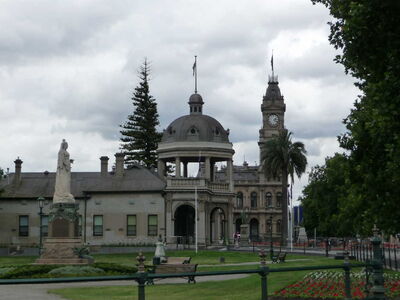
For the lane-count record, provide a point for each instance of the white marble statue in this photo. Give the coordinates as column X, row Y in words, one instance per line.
column 62, row 193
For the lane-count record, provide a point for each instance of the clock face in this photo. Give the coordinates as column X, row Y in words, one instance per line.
column 273, row 119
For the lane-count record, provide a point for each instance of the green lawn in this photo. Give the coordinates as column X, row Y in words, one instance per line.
column 245, row 288
column 201, row 258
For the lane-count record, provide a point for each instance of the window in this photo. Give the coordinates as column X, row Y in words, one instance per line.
column 44, row 223
column 278, row 199
column 98, row 225
column 268, row 226
column 23, row 225
column 131, row 225
column 239, row 200
column 253, row 199
column 152, row 225
column 268, row 199
column 278, row 226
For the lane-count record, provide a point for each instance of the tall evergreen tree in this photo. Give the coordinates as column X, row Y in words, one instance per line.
column 139, row 134
column 282, row 157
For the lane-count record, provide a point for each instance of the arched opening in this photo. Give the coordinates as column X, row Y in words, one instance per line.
column 237, row 224
column 184, row 222
column 217, row 225
column 254, row 229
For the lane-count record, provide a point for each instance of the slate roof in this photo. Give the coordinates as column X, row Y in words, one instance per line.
column 240, row 173
column 33, row 185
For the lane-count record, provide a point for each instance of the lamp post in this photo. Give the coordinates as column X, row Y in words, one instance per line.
column 271, row 249
column 41, row 204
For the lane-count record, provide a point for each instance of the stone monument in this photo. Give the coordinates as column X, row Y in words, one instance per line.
column 63, row 243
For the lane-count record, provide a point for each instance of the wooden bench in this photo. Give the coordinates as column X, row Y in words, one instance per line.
column 280, row 258
column 175, row 265
column 178, row 260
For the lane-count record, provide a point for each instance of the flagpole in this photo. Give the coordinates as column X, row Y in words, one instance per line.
column 195, row 216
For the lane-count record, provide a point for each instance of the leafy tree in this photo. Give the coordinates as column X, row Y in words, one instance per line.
column 324, row 199
column 139, row 135
column 368, row 34
column 282, row 157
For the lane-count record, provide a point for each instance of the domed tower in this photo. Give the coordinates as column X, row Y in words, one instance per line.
column 196, row 142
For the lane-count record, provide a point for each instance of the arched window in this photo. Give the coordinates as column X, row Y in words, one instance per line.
column 268, row 226
column 268, row 199
column 239, row 200
column 253, row 199
column 278, row 199
column 279, row 226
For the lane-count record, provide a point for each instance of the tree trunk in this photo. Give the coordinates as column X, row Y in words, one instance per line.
column 284, row 206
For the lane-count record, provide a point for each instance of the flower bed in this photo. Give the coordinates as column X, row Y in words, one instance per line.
column 328, row 284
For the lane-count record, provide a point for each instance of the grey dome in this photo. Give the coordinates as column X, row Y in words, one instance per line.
column 196, row 99
column 195, row 127
column 273, row 91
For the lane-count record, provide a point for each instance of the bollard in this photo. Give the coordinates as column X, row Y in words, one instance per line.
column 263, row 273
column 142, row 276
column 377, row 290
column 347, row 282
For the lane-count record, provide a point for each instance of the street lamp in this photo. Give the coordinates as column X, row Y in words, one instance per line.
column 271, row 249
column 41, row 204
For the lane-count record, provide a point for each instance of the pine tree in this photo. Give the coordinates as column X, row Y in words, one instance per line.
column 139, row 135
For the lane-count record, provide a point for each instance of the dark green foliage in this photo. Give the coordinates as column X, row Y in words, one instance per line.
column 28, row 271
column 282, row 157
column 139, row 135
column 325, row 199
column 76, row 271
column 111, row 267
column 46, row 271
column 368, row 33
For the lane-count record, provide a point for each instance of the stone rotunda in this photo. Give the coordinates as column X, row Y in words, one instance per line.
column 197, row 142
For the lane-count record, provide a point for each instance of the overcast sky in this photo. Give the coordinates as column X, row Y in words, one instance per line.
column 68, row 68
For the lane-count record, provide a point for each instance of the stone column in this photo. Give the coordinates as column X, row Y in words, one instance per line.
column 229, row 174
column 161, row 168
column 185, row 169
column 207, row 168
column 177, row 167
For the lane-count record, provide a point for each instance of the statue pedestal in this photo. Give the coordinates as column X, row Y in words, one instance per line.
column 244, row 233
column 61, row 247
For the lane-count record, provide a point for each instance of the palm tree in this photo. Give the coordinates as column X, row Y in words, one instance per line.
column 282, row 157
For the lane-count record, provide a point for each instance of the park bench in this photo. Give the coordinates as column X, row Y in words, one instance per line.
column 280, row 258
column 175, row 265
column 178, row 260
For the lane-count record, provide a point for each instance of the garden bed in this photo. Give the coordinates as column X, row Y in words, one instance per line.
column 330, row 285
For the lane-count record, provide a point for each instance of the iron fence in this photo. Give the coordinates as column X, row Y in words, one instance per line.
column 374, row 267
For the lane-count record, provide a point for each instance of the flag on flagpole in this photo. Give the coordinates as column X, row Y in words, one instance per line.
column 194, row 66
column 272, row 62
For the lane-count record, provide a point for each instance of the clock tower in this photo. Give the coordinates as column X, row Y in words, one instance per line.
column 273, row 110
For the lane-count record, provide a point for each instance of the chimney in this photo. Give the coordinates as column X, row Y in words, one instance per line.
column 119, row 164
column 17, row 176
column 104, row 165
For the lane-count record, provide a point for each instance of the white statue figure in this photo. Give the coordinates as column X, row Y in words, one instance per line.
column 62, row 193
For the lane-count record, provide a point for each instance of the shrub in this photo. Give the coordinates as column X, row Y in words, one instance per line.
column 115, row 268
column 27, row 271
column 76, row 270
column 5, row 270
